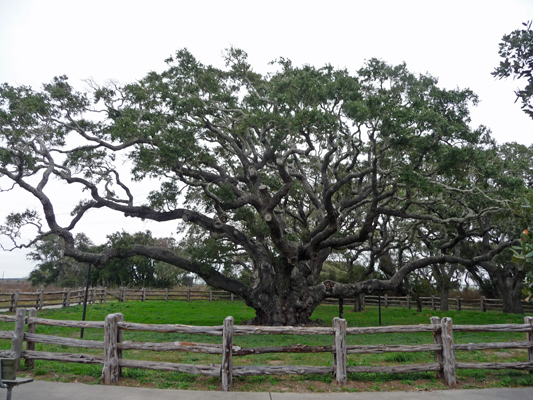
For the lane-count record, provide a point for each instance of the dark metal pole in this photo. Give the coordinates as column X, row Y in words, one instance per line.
column 379, row 303
column 341, row 308
column 85, row 299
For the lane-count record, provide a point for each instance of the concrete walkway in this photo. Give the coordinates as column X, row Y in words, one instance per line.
column 41, row 390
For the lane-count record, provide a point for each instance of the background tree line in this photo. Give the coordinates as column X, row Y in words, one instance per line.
column 55, row 269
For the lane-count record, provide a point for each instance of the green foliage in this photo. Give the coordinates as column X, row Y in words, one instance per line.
column 53, row 269
column 516, row 49
column 137, row 271
column 523, row 254
column 422, row 286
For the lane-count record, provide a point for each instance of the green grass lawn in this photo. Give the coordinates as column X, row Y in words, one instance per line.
column 203, row 313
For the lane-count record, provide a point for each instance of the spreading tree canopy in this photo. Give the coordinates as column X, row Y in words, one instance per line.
column 266, row 176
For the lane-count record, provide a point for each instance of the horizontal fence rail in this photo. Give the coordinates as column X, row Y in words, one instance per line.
column 70, row 297
column 114, row 347
column 432, row 302
column 39, row 299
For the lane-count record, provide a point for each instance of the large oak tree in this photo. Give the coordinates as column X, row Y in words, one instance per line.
column 266, row 177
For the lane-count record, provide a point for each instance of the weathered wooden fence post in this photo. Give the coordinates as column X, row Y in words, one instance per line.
column 166, row 294
column 11, row 300
column 18, row 336
column 37, row 299
column 105, row 294
column 458, row 303
column 188, row 295
column 232, row 297
column 120, row 339
column 339, row 357
column 112, row 354
column 144, row 294
column 448, row 351
column 210, row 296
column 226, row 368
column 529, row 338
column 408, row 302
column 482, row 304
column 17, row 292
column 437, row 339
column 30, row 346
column 386, row 297
column 41, row 299
column 67, row 297
column 433, row 306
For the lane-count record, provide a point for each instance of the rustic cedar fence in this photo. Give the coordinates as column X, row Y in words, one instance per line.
column 39, row 299
column 114, row 346
column 68, row 297
column 144, row 294
column 432, row 303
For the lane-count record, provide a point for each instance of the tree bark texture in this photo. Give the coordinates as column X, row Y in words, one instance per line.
column 18, row 336
column 448, row 352
column 111, row 371
column 226, row 369
column 339, row 360
column 437, row 339
column 32, row 329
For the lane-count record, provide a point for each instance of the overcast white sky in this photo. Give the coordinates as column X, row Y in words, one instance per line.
column 456, row 41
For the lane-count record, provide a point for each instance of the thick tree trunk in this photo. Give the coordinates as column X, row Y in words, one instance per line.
column 284, row 305
column 285, row 297
column 444, row 294
column 508, row 280
column 443, row 274
column 418, row 303
column 510, row 286
column 278, row 310
column 358, row 303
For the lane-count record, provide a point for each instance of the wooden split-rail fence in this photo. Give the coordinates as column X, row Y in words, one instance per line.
column 144, row 294
column 434, row 302
column 114, row 347
column 70, row 297
column 39, row 299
